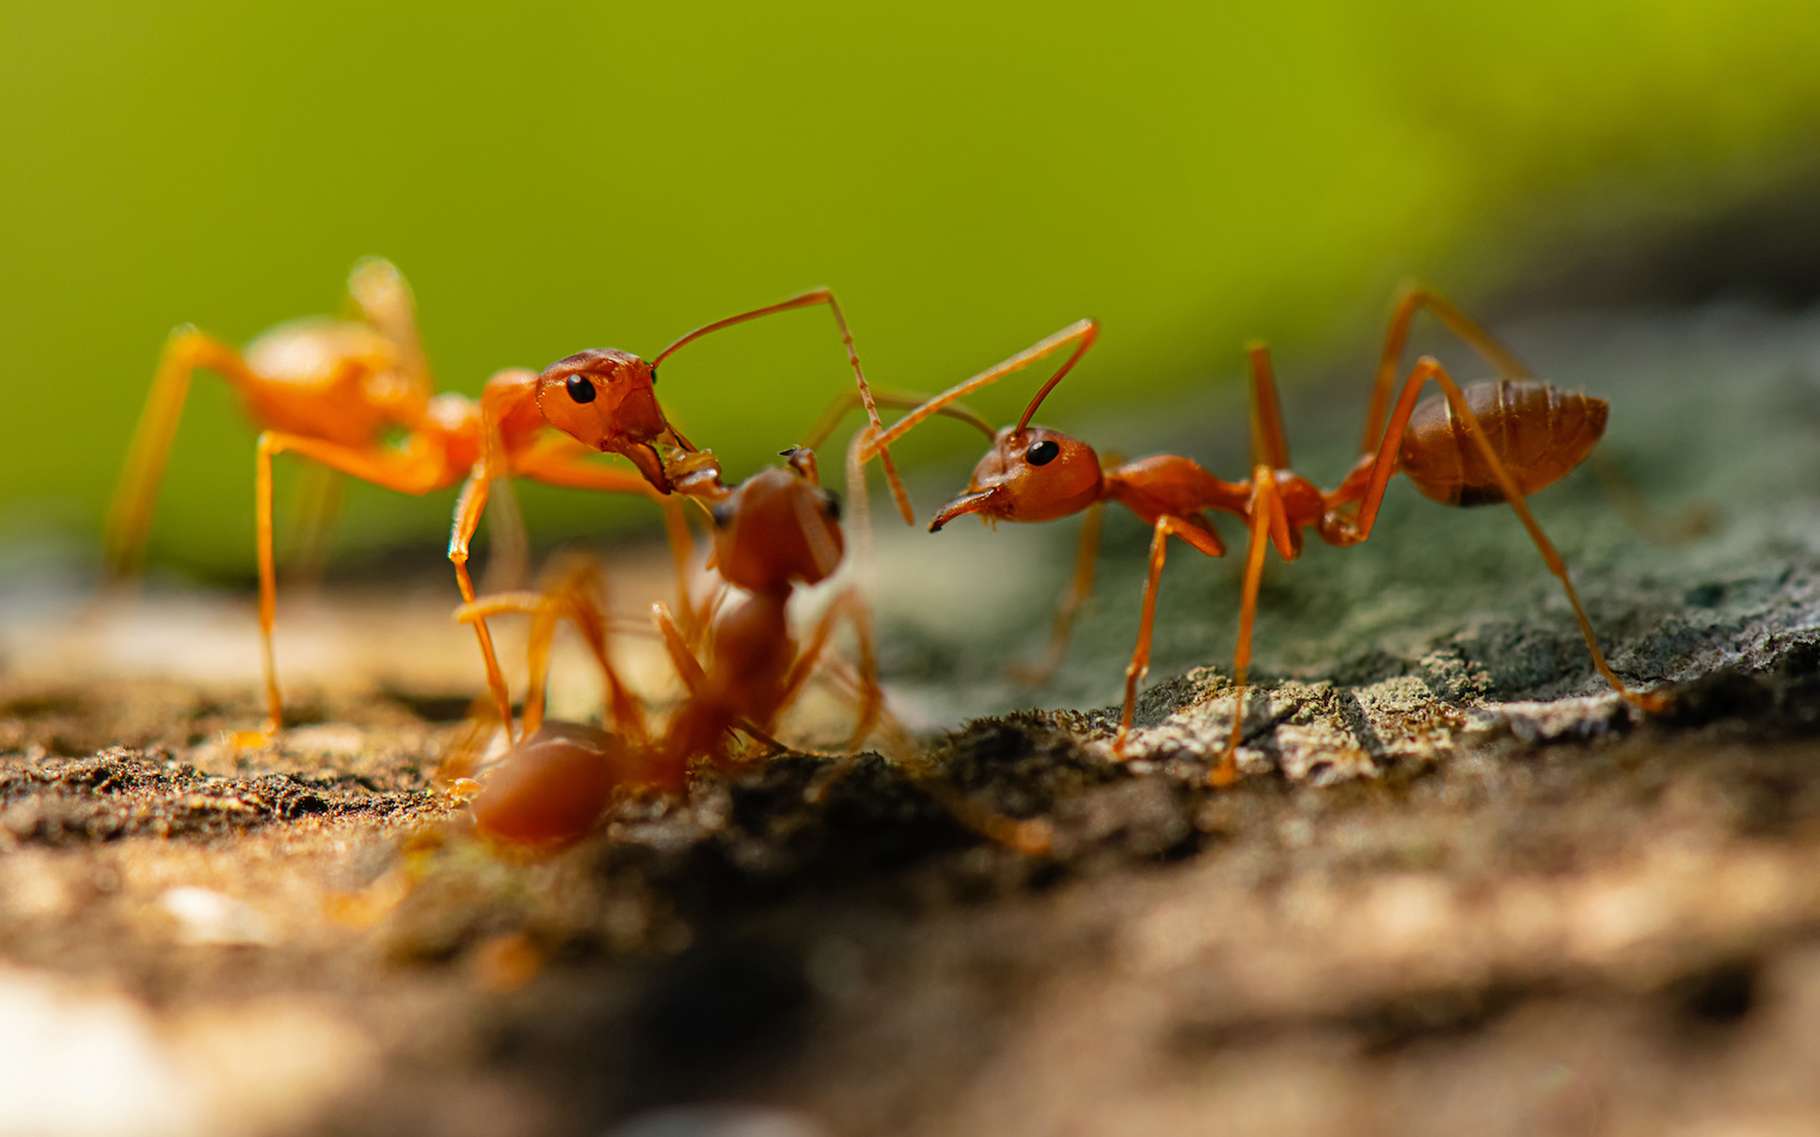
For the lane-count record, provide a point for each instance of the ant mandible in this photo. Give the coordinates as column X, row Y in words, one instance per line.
column 333, row 391
column 1495, row 440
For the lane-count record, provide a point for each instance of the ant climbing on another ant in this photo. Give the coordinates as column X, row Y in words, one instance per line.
column 774, row 532
column 1493, row 441
column 336, row 391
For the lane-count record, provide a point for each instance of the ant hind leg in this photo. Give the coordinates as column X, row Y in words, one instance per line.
column 1370, row 494
column 1165, row 528
column 1411, row 299
column 130, row 515
column 1266, row 516
column 415, row 471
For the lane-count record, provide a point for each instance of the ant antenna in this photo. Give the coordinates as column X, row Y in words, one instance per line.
column 1082, row 331
column 1090, row 332
column 844, row 405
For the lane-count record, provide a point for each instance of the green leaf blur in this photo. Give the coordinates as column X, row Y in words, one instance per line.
column 968, row 176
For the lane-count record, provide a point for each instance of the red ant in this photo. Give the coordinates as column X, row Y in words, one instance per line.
column 335, row 390
column 774, row 532
column 1496, row 440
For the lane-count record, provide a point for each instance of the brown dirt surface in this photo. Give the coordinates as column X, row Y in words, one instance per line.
column 1460, row 889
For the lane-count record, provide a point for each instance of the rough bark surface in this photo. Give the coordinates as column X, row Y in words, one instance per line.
column 1461, row 888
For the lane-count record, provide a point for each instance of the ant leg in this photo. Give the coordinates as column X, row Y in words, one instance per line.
column 1693, row 522
column 1412, row 298
column 688, row 668
column 416, row 471
column 317, row 504
column 565, row 462
column 508, row 544
column 468, row 508
column 129, row 518
column 1429, row 368
column 580, row 590
column 1079, row 589
column 1269, row 442
column 1266, row 516
column 576, row 593
column 852, row 606
column 1166, row 527
column 540, row 607
column 681, row 540
column 555, row 463
column 386, row 303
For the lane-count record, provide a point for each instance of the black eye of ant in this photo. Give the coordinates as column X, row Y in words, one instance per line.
column 722, row 514
column 831, row 501
column 1043, row 452
column 654, row 377
column 580, row 389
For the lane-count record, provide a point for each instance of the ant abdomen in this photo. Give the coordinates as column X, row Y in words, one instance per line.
column 552, row 788
column 1539, row 432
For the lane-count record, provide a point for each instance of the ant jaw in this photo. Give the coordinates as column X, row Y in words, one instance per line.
column 644, row 456
column 974, row 502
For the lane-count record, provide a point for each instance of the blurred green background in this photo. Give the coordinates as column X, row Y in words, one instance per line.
column 969, row 177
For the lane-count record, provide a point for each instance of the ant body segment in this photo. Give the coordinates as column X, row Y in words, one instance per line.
column 336, row 391
column 1492, row 441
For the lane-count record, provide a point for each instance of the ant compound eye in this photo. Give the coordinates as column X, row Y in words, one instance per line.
column 831, row 502
column 654, row 377
column 580, row 389
column 1043, row 452
column 722, row 514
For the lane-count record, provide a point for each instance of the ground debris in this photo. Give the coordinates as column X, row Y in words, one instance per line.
column 1461, row 887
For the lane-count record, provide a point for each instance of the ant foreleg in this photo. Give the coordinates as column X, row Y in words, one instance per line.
column 469, row 506
column 557, row 462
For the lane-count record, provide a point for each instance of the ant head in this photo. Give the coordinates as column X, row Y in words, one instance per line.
column 778, row 529
column 1030, row 474
column 604, row 398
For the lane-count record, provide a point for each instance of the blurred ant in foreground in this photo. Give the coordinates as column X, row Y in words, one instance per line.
column 339, row 391
column 773, row 533
column 1493, row 441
